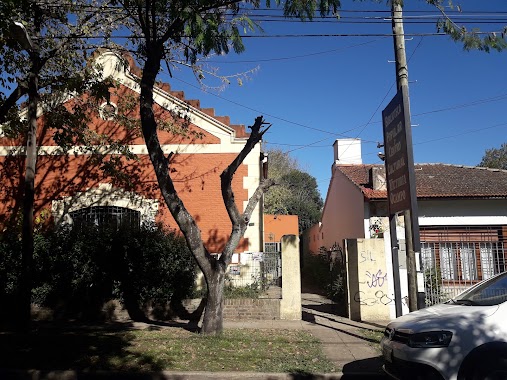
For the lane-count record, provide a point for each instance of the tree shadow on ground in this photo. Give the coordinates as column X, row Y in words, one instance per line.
column 311, row 318
column 328, row 308
column 81, row 348
column 311, row 376
column 190, row 326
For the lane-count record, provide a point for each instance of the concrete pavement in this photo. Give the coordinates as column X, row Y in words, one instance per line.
column 344, row 342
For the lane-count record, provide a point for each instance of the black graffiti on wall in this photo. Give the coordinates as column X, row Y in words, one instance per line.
column 379, row 298
column 376, row 279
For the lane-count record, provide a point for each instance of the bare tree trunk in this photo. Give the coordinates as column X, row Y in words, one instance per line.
column 213, row 269
column 213, row 316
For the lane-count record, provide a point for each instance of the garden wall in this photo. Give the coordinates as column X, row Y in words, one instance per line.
column 244, row 308
column 248, row 308
column 234, row 309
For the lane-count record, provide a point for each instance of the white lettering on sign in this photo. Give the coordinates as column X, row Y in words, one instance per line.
column 396, row 165
column 395, row 183
column 391, row 135
column 389, row 119
column 398, row 197
column 394, row 149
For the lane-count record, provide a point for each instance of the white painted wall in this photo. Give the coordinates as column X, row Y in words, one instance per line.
column 342, row 216
column 347, row 151
column 462, row 212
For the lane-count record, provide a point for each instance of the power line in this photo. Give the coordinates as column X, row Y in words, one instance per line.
column 265, row 36
column 388, row 11
column 374, row 113
column 334, row 134
column 465, row 105
column 430, row 34
column 381, row 22
column 261, row 112
column 437, row 139
column 297, row 56
column 457, row 106
column 278, row 10
column 380, row 104
column 462, row 133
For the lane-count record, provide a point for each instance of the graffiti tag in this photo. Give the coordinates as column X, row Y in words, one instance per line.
column 366, row 256
column 379, row 298
column 376, row 280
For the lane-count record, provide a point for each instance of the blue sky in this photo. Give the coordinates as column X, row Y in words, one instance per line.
column 317, row 89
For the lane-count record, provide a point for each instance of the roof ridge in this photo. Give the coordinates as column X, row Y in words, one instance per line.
column 439, row 180
column 463, row 166
column 166, row 87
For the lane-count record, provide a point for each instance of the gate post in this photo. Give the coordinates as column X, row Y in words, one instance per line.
column 290, row 304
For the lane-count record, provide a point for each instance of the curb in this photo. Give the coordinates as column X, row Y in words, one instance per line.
column 14, row 374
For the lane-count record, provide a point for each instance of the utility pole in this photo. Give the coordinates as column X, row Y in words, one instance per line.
column 412, row 239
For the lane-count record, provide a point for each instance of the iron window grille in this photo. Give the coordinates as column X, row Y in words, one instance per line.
column 101, row 216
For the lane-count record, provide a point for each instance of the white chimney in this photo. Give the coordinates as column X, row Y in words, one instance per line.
column 347, row 151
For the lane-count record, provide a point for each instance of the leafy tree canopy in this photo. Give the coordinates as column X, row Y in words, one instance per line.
column 470, row 38
column 495, row 158
column 297, row 192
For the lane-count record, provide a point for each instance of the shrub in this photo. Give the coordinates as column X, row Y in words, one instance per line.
column 76, row 270
column 433, row 287
column 155, row 266
column 320, row 276
column 252, row 290
column 10, row 268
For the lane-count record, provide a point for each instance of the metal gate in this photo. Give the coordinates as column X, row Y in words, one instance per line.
column 271, row 269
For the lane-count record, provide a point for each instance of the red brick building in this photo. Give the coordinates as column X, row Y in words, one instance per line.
column 72, row 184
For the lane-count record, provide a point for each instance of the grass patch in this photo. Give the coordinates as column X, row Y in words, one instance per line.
column 173, row 349
column 374, row 337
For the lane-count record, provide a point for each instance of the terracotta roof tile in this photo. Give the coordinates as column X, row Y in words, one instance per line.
column 438, row 181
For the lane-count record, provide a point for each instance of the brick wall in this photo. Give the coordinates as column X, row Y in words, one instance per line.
column 197, row 180
column 245, row 309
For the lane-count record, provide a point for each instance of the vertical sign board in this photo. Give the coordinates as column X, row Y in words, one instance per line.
column 400, row 175
column 397, row 160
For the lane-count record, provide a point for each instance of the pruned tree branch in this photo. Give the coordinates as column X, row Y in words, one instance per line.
column 240, row 221
column 228, row 174
column 21, row 90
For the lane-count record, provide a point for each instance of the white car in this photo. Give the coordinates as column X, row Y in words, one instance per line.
column 464, row 338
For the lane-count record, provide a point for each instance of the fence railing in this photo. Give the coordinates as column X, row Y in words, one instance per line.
column 451, row 267
column 256, row 272
column 272, row 247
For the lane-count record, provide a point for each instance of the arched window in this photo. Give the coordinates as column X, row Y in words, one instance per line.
column 103, row 203
column 106, row 216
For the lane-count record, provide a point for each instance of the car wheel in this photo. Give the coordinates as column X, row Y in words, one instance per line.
column 489, row 369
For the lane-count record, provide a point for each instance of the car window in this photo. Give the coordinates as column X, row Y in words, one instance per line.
column 490, row 292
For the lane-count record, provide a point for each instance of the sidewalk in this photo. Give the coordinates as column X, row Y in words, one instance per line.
column 343, row 340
